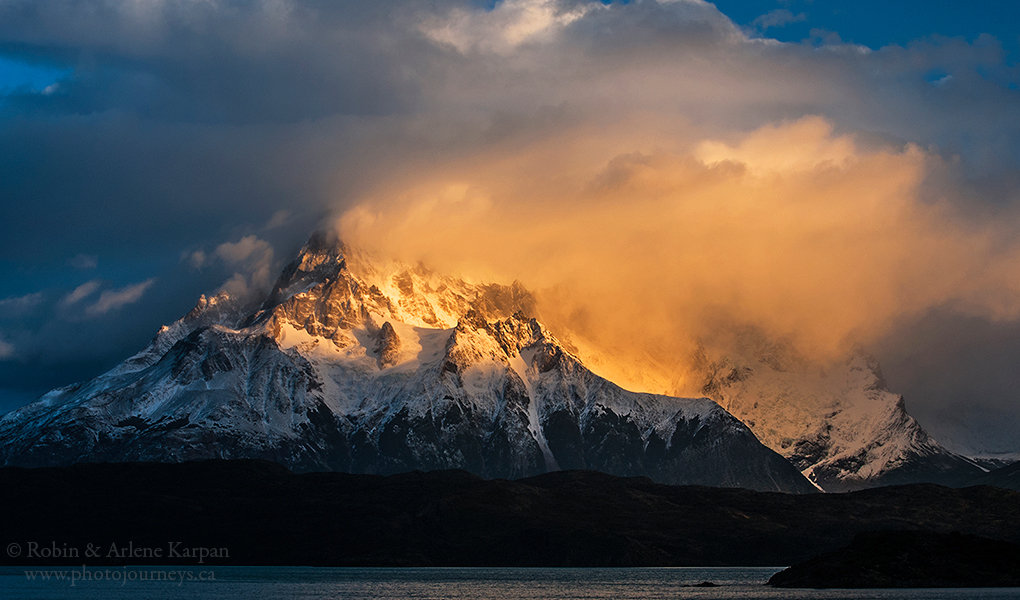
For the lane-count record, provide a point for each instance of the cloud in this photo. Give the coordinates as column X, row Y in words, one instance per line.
column 243, row 250
column 19, row 305
column 115, row 299
column 81, row 292
column 84, row 261
column 797, row 147
column 279, row 219
column 250, row 258
column 253, row 257
column 215, row 61
column 777, row 18
column 6, row 350
column 926, row 355
column 508, row 25
column 196, row 259
column 793, row 228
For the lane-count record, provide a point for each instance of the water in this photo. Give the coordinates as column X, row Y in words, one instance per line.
column 308, row 583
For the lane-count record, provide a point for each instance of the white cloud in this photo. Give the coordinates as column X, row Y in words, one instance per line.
column 504, row 28
column 242, row 250
column 81, row 292
column 115, row 299
column 252, row 259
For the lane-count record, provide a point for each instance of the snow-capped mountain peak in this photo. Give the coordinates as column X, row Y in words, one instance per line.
column 363, row 365
column 839, row 424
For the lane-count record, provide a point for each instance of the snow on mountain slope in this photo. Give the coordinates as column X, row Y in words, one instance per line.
column 383, row 370
column 840, row 425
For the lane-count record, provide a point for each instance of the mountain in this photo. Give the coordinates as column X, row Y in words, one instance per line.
column 361, row 366
column 836, row 420
column 1007, row 477
column 839, row 424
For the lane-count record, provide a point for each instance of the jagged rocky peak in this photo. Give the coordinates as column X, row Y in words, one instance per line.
column 499, row 301
column 869, row 368
column 518, row 332
column 320, row 260
column 387, row 345
column 322, row 257
column 420, row 295
column 331, row 288
column 476, row 338
column 218, row 309
column 317, row 293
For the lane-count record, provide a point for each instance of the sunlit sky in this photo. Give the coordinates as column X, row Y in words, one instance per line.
column 835, row 172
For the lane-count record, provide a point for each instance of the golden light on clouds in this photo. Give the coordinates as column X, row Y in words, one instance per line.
column 792, row 228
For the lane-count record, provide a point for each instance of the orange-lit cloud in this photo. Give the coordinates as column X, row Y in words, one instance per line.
column 792, row 228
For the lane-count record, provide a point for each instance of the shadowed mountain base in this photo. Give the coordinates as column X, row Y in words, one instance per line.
column 263, row 514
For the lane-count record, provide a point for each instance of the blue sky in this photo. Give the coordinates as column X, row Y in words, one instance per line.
column 176, row 128
column 877, row 23
column 15, row 75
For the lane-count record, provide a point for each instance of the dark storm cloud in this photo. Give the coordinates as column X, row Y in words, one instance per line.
column 959, row 375
column 218, row 62
column 98, row 182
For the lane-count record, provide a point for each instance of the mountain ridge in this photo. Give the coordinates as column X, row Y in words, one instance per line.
column 842, row 427
column 404, row 369
column 836, row 420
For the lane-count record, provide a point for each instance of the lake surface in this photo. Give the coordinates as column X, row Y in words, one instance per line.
column 309, row 583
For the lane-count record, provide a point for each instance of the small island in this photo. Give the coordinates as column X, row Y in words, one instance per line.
column 909, row 559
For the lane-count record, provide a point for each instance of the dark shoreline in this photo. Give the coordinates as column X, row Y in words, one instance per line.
column 262, row 514
column 909, row 559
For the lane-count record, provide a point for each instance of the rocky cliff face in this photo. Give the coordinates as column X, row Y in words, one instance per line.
column 368, row 367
